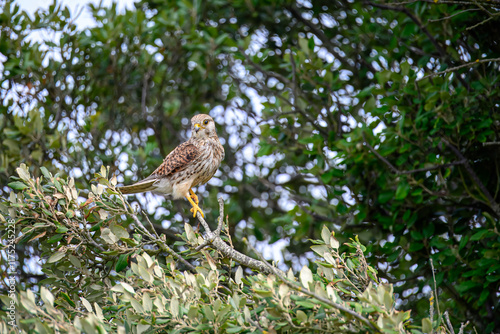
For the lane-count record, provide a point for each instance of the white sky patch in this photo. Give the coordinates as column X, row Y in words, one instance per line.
column 271, row 251
column 85, row 20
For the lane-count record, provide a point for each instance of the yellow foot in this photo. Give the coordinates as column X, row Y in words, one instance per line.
column 195, row 208
column 193, row 196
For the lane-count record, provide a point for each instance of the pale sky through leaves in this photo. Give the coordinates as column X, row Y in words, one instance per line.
column 85, row 20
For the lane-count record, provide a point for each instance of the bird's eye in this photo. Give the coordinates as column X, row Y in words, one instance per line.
column 205, row 122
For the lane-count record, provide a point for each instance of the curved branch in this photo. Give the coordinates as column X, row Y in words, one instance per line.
column 214, row 239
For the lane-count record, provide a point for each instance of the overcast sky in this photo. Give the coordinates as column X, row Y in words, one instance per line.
column 85, row 19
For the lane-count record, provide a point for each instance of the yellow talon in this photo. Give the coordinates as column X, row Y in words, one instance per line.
column 193, row 196
column 194, row 210
column 195, row 207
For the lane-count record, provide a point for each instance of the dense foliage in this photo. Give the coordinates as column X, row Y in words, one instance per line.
column 379, row 119
column 102, row 279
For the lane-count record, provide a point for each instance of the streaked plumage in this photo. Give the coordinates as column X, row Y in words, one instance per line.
column 190, row 164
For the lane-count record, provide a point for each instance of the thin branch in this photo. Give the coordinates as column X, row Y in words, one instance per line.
column 412, row 171
column 144, row 94
column 161, row 243
column 92, row 241
column 491, row 143
column 151, row 224
column 214, row 239
column 452, row 69
column 301, row 289
column 326, row 41
column 462, row 327
column 454, row 2
column 294, row 75
column 473, row 175
column 449, row 17
column 415, row 19
column 448, row 323
column 435, row 287
column 266, row 72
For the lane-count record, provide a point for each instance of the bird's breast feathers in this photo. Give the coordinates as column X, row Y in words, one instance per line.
column 197, row 171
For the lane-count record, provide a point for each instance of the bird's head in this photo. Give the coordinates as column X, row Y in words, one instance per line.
column 202, row 126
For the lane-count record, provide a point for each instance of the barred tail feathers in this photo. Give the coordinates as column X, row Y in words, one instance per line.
column 139, row 187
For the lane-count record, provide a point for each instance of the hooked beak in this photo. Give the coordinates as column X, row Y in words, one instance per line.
column 197, row 127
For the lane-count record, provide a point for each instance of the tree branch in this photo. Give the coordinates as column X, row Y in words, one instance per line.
column 161, row 243
column 326, row 41
column 405, row 10
column 493, row 204
column 396, row 171
column 214, row 239
column 452, row 69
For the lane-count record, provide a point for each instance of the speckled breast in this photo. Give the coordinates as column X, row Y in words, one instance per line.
column 211, row 155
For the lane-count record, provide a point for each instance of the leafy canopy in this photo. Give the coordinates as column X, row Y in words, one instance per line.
column 379, row 119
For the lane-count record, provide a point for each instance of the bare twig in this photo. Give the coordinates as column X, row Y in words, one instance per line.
column 415, row 19
column 492, row 203
column 462, row 327
column 412, row 171
column 435, row 287
column 266, row 72
column 449, row 17
column 448, row 322
column 326, row 41
column 452, row 69
column 491, row 143
column 161, row 243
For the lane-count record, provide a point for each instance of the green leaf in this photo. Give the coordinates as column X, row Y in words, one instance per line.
column 427, row 326
column 68, row 299
column 17, row 185
column 385, row 196
column 56, row 257
column 45, row 172
column 306, row 277
column 122, row 262
column 96, row 227
column 62, row 229
column 480, row 235
column 236, row 329
column 305, row 304
column 55, row 238
column 402, row 191
column 174, row 306
column 370, row 105
column 265, row 149
column 75, row 261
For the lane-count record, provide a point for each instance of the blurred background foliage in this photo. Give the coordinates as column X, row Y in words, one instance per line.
column 377, row 118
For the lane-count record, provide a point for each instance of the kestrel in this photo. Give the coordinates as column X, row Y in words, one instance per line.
column 192, row 163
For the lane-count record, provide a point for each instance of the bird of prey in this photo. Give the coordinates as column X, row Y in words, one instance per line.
column 190, row 164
